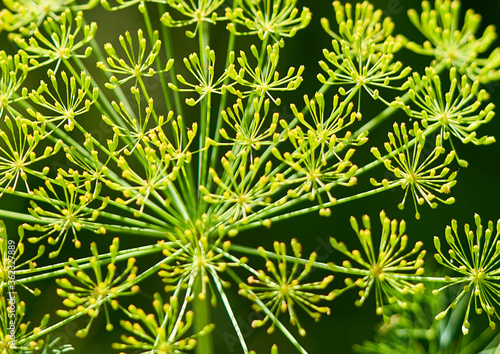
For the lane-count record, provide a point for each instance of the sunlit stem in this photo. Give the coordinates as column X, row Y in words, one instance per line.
column 389, row 111
column 159, row 67
column 201, row 308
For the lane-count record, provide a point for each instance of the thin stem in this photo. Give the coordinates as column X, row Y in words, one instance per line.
column 49, row 271
column 118, row 228
column 269, row 313
column 169, row 51
column 292, row 214
column 163, row 82
column 389, row 111
column 333, row 267
column 205, row 110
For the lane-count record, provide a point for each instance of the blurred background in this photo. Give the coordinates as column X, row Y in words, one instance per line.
column 477, row 190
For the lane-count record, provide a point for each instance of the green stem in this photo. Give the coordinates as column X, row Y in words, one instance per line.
column 269, row 313
column 49, row 272
column 201, row 308
column 169, row 51
column 205, row 108
column 333, row 267
column 214, row 154
column 389, row 111
column 273, row 209
column 57, row 325
column 159, row 67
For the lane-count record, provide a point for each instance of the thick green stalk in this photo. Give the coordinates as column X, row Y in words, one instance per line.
column 201, row 308
column 205, row 110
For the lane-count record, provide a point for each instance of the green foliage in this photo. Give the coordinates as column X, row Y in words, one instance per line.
column 179, row 149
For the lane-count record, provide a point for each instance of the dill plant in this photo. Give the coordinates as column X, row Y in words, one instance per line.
column 182, row 167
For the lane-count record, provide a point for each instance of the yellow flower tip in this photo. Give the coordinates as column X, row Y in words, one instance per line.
column 63, row 313
column 379, row 311
column 257, row 323
column 82, row 333
column 267, row 223
column 302, row 332
column 359, row 282
column 109, row 327
column 274, row 349
column 440, row 315
column 325, row 212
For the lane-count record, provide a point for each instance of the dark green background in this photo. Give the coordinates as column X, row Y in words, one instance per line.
column 477, row 190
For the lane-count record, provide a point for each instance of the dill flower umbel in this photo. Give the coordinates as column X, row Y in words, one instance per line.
column 476, row 269
column 457, row 46
column 457, row 112
column 282, row 288
column 185, row 136
column 418, row 173
column 93, row 293
column 381, row 271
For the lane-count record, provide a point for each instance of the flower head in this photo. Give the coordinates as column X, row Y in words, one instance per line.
column 11, row 262
column 319, row 160
column 283, row 287
column 197, row 259
column 363, row 52
column 361, row 28
column 264, row 79
column 59, row 41
column 14, row 70
column 267, row 18
column 166, row 332
column 20, row 142
column 64, row 103
column 204, row 76
column 203, row 11
column 457, row 46
column 31, row 13
column 93, row 293
column 164, row 155
column 17, row 336
column 455, row 111
column 476, row 269
column 71, row 201
column 240, row 191
column 251, row 134
column 417, row 171
column 381, row 271
column 132, row 66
